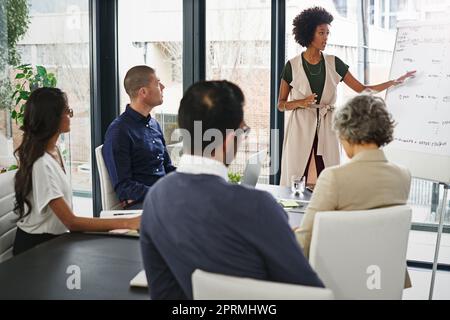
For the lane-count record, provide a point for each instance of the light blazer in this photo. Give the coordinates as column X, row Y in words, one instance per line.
column 368, row 181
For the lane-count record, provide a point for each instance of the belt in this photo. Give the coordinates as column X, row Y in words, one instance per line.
column 323, row 110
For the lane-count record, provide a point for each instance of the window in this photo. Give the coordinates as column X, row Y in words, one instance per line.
column 151, row 33
column 372, row 12
column 52, row 6
column 341, row 7
column 238, row 50
column 58, row 39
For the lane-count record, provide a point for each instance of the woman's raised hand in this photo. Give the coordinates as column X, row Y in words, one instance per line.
column 409, row 74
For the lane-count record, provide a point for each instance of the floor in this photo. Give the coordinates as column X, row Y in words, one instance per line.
column 421, row 280
column 421, row 247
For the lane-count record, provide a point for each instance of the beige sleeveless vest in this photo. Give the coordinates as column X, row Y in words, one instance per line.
column 302, row 124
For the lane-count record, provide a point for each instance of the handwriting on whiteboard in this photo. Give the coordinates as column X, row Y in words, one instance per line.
column 421, row 106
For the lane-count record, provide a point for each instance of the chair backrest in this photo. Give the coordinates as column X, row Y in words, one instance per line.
column 212, row 286
column 362, row 254
column 109, row 196
column 7, row 217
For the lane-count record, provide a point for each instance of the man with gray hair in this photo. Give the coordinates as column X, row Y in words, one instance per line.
column 368, row 180
column 135, row 151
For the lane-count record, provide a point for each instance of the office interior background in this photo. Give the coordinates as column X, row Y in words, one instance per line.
column 90, row 44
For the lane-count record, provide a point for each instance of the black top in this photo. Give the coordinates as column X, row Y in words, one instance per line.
column 315, row 73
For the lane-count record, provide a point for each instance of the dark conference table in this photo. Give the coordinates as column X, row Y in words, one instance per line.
column 106, row 264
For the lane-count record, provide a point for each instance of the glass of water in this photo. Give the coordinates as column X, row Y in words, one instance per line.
column 297, row 184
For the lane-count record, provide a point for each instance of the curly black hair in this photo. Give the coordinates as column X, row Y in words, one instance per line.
column 306, row 22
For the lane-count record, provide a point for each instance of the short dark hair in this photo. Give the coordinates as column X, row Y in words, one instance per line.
column 136, row 78
column 217, row 104
column 306, row 22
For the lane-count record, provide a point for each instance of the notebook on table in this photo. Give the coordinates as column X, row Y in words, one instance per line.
column 293, row 205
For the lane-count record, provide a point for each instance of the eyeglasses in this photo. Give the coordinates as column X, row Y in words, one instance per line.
column 69, row 111
column 243, row 131
column 246, row 129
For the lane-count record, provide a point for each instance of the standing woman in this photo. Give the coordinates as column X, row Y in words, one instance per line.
column 43, row 191
column 311, row 78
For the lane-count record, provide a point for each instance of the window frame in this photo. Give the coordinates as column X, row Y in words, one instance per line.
column 104, row 75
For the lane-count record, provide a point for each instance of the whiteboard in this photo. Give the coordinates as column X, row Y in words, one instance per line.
column 421, row 106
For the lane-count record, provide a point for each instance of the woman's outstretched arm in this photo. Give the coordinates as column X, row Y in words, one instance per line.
column 357, row 86
column 74, row 223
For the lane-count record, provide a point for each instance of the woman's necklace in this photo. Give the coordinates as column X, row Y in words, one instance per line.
column 313, row 74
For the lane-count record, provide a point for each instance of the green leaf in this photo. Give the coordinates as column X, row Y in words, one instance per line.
column 13, row 114
column 23, row 66
column 20, row 76
column 234, row 177
column 41, row 71
column 13, row 167
column 24, row 95
column 53, row 82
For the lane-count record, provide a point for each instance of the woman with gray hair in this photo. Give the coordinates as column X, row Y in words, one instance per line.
column 363, row 124
column 368, row 180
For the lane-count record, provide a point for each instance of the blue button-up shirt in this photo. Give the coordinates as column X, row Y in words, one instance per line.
column 135, row 154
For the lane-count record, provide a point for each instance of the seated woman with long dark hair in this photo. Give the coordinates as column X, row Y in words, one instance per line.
column 43, row 191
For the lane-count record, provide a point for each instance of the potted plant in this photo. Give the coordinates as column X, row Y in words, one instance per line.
column 15, row 19
column 28, row 79
column 234, row 177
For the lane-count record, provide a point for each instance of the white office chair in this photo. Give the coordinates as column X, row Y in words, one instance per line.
column 109, row 196
column 212, row 286
column 362, row 254
column 7, row 217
